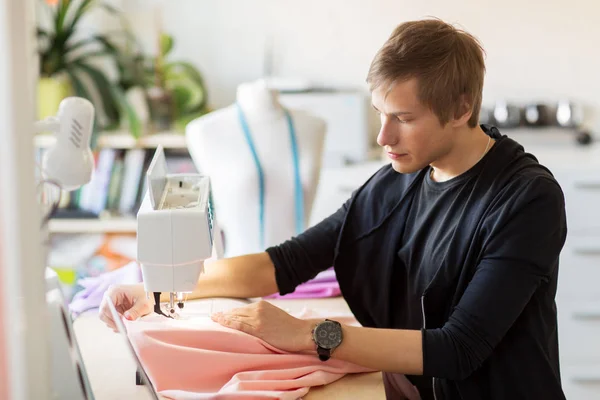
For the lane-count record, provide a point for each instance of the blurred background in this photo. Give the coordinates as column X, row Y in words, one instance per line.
column 151, row 67
column 537, row 52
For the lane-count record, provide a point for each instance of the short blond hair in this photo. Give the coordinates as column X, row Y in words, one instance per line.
column 447, row 62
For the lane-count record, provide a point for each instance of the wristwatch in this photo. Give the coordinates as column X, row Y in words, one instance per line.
column 327, row 335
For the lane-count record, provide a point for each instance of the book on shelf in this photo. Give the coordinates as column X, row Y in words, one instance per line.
column 134, row 167
column 118, row 184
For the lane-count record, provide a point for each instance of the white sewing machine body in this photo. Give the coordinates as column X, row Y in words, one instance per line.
column 175, row 228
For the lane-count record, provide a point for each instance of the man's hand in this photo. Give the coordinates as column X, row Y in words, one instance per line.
column 271, row 324
column 129, row 300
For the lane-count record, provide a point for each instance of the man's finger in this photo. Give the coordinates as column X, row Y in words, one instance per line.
column 104, row 317
column 242, row 318
column 107, row 319
column 242, row 312
column 238, row 325
column 237, row 322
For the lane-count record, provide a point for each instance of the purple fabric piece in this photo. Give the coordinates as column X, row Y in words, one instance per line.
column 323, row 285
column 94, row 287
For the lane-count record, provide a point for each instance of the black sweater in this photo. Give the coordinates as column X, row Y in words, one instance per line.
column 472, row 262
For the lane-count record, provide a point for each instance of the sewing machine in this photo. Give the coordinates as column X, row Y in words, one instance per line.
column 176, row 233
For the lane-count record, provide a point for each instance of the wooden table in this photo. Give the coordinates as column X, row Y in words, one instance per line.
column 111, row 369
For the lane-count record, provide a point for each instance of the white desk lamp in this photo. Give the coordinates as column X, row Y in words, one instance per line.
column 69, row 162
column 68, row 165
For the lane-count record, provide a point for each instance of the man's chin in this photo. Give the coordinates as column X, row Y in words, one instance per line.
column 404, row 168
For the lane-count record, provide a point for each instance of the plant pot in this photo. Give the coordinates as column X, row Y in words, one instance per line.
column 162, row 109
column 51, row 91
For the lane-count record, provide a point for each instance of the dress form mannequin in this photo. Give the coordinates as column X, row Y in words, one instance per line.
column 218, row 146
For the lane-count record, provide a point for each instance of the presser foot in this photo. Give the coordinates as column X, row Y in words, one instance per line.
column 168, row 309
column 169, row 312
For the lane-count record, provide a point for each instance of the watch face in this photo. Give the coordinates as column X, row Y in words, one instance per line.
column 328, row 335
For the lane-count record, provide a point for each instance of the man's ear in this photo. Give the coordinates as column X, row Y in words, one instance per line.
column 463, row 113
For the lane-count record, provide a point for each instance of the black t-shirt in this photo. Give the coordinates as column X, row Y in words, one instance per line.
column 435, row 212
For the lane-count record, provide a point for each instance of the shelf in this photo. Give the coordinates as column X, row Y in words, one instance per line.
column 124, row 140
column 109, row 225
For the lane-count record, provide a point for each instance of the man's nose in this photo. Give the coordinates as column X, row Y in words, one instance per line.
column 387, row 135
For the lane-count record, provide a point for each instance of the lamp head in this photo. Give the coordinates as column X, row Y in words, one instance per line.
column 70, row 161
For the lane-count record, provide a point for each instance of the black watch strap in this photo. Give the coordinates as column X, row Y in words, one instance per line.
column 324, row 354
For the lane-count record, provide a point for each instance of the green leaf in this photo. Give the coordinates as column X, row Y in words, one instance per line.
column 182, row 97
column 61, row 14
column 106, row 43
column 62, row 35
column 184, row 72
column 42, row 33
column 44, row 41
column 92, row 54
column 103, row 86
column 166, row 44
column 51, row 63
column 79, row 44
column 96, row 39
column 81, row 10
column 78, row 86
column 135, row 126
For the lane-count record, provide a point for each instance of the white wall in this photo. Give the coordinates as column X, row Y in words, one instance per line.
column 536, row 50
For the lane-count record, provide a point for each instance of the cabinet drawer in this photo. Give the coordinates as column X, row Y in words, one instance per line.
column 582, row 198
column 579, row 269
column 579, row 331
column 581, row 382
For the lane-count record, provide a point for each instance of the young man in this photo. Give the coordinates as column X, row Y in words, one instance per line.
column 448, row 257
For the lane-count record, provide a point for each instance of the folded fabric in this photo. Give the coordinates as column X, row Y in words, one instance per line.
column 93, row 288
column 323, row 285
column 196, row 358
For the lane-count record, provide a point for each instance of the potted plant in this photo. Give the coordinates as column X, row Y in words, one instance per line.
column 67, row 68
column 176, row 89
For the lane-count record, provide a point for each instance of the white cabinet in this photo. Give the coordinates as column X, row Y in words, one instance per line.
column 579, row 270
column 582, row 195
column 581, row 381
column 579, row 330
column 577, row 170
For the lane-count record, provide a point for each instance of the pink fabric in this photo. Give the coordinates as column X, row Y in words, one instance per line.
column 196, row 358
column 324, row 284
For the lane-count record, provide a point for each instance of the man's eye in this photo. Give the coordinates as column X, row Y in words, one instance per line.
column 402, row 121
